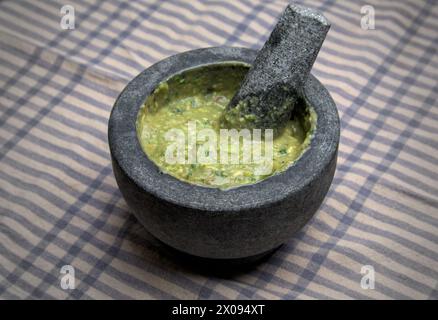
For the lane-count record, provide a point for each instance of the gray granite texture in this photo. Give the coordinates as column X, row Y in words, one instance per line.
column 206, row 222
column 273, row 85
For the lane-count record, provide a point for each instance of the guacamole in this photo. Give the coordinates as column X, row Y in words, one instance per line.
column 193, row 103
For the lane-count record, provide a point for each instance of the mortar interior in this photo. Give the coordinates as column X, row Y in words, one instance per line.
column 200, row 95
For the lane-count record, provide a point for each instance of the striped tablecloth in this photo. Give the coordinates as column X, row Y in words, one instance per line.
column 59, row 203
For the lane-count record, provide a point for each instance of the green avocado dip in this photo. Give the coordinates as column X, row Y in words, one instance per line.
column 176, row 117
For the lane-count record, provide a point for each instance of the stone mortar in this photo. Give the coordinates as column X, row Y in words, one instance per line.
column 240, row 223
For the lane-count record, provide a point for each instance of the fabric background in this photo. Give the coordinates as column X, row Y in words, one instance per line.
column 59, row 203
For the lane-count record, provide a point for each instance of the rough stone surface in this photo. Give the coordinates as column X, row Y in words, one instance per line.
column 243, row 222
column 274, row 83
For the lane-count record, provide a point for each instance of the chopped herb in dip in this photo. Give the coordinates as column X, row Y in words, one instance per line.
column 201, row 95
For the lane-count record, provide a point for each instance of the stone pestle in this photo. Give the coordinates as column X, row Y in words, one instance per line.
column 274, row 83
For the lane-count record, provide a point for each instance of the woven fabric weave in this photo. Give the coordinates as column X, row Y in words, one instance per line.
column 60, row 205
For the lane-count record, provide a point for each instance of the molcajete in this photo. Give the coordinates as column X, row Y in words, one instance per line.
column 242, row 222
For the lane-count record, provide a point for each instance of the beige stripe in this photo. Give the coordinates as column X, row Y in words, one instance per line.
column 96, row 294
column 12, row 288
column 87, row 53
column 24, row 160
column 21, row 230
column 383, row 208
column 335, row 277
column 404, row 234
column 123, row 287
column 34, row 199
column 151, row 279
column 389, row 263
column 397, row 247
